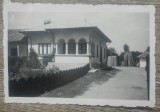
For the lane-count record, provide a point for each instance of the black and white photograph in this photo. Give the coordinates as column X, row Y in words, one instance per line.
column 80, row 54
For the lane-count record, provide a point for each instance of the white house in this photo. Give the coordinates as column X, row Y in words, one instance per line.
column 142, row 59
column 65, row 45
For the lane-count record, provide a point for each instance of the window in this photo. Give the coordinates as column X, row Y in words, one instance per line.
column 72, row 47
column 82, row 46
column 44, row 48
column 14, row 52
column 97, row 51
column 92, row 48
column 61, row 47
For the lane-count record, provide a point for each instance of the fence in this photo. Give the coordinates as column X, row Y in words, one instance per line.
column 34, row 86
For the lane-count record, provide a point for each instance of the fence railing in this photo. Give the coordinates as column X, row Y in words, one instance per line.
column 34, row 86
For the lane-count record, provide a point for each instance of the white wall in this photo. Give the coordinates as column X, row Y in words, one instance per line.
column 142, row 62
column 112, row 61
column 71, row 59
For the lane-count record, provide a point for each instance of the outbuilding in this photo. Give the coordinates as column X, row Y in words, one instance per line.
column 142, row 59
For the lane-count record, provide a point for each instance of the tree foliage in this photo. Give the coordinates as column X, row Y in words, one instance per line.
column 111, row 51
column 120, row 58
column 33, row 59
column 126, row 48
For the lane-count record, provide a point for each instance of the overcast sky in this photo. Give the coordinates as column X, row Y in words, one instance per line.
column 130, row 28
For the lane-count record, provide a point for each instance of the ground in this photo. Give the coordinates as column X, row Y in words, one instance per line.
column 119, row 83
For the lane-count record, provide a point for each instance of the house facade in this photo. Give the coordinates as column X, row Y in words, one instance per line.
column 68, row 45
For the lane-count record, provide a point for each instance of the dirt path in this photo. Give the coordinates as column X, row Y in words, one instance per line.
column 79, row 86
column 119, row 83
column 128, row 83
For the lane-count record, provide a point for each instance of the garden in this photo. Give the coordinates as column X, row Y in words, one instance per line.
column 28, row 77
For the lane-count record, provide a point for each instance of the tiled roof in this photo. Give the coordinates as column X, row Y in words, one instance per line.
column 15, row 35
column 143, row 55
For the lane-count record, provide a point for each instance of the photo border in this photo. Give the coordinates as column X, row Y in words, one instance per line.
column 8, row 6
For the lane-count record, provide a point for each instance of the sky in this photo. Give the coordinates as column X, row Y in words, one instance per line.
column 130, row 28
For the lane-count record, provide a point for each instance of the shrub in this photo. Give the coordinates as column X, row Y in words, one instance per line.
column 33, row 59
column 21, row 66
column 33, row 73
column 15, row 63
column 53, row 70
column 40, row 80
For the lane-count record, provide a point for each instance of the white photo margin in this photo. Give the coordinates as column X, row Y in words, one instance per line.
column 8, row 6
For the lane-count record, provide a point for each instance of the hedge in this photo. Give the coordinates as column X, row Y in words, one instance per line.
column 40, row 81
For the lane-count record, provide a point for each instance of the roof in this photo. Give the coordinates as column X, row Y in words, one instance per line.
column 143, row 55
column 54, row 27
column 15, row 35
column 39, row 29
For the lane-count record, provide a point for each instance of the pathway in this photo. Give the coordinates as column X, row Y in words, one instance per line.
column 128, row 83
column 119, row 83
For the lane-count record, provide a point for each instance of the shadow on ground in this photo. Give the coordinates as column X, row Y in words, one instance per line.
column 79, row 86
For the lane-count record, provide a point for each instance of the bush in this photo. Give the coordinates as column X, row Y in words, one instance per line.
column 28, row 72
column 21, row 66
column 33, row 59
column 53, row 70
column 40, row 80
column 15, row 63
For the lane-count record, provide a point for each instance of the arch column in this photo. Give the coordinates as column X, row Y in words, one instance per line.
column 77, row 48
column 87, row 48
column 66, row 48
column 56, row 48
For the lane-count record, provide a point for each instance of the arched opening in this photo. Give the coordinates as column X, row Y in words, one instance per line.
column 71, row 46
column 82, row 49
column 61, row 46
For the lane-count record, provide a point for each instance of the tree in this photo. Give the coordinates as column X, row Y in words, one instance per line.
column 134, row 55
column 128, row 59
column 126, row 48
column 33, row 59
column 112, row 51
column 120, row 58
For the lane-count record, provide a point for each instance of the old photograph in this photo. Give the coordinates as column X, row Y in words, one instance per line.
column 81, row 52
